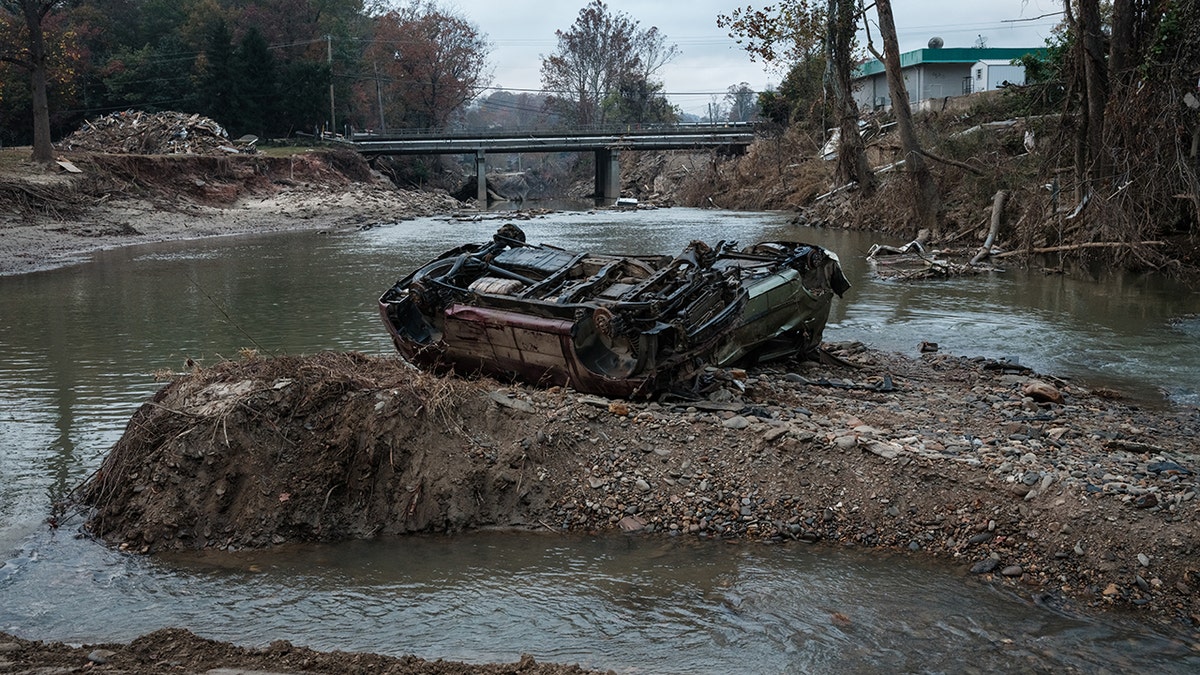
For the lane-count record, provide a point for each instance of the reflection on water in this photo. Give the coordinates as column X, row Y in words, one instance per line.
column 80, row 348
column 632, row 604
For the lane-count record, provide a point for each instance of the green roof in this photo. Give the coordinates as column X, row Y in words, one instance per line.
column 950, row 55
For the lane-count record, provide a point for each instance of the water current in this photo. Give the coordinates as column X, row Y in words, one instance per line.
column 80, row 346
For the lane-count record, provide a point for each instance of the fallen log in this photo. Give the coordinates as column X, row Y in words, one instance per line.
column 997, row 209
column 1076, row 247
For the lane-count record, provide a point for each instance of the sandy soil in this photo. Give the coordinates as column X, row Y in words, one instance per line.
column 54, row 218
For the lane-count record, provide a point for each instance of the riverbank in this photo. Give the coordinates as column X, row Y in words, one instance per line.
column 174, row 650
column 54, row 218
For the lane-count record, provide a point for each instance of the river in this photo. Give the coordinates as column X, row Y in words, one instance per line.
column 80, row 348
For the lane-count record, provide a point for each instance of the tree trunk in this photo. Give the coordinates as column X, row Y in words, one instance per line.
column 43, row 150
column 852, row 157
column 1096, row 80
column 928, row 195
column 1120, row 54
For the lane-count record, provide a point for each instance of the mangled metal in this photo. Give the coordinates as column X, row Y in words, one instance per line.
column 609, row 324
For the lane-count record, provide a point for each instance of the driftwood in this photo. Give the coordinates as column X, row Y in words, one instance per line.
column 1075, row 247
column 952, row 162
column 997, row 210
column 162, row 133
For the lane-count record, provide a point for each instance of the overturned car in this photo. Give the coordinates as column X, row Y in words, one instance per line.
column 624, row 326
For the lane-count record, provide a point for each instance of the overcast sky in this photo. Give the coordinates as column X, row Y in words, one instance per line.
column 522, row 31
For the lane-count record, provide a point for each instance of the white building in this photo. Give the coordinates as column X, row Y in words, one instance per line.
column 937, row 73
column 989, row 74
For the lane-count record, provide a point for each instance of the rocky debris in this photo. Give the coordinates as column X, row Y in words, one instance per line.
column 1091, row 500
column 134, row 132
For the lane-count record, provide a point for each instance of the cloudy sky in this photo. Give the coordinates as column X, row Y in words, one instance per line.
column 522, row 31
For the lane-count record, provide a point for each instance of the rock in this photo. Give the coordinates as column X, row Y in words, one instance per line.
column 517, row 404
column 631, row 524
column 100, row 656
column 1042, row 392
column 736, row 422
column 1012, row 571
column 985, row 566
column 884, row 450
column 642, row 485
column 1143, row 559
column 775, row 434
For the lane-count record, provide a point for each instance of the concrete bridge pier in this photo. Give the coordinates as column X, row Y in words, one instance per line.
column 480, row 177
column 608, row 175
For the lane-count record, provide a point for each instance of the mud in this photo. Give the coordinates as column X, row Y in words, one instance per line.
column 175, row 650
column 1088, row 503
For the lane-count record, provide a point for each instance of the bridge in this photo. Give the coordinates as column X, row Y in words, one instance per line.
column 607, row 144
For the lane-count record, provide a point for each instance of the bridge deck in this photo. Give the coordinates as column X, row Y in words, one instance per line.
column 675, row 138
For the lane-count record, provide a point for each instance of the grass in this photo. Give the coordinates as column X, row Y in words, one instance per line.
column 11, row 159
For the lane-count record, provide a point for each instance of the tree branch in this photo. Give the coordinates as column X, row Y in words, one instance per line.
column 952, row 162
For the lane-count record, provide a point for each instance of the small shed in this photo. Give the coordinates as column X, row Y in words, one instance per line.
column 989, row 74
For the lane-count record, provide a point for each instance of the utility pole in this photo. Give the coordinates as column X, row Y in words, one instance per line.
column 379, row 97
column 332, row 116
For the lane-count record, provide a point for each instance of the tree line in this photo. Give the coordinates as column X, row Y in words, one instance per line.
column 1116, row 96
column 274, row 68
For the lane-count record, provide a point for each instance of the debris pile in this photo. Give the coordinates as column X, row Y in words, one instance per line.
column 143, row 133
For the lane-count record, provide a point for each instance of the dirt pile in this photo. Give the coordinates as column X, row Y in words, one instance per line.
column 1087, row 500
column 143, row 133
column 179, row 651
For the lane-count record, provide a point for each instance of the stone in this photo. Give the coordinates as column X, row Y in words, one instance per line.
column 775, row 434
column 517, row 404
column 985, row 566
column 1042, row 392
column 884, row 450
column 100, row 656
column 736, row 422
column 1012, row 571
column 631, row 524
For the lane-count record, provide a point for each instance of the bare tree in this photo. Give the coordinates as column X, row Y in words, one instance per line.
column 842, row 22
column 928, row 203
column 1089, row 30
column 32, row 56
column 599, row 56
column 740, row 98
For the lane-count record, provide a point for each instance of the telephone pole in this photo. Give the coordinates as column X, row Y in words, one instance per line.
column 332, row 115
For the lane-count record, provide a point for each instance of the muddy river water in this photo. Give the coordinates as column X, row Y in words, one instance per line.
column 79, row 348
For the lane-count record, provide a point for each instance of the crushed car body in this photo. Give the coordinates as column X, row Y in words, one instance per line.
column 790, row 288
column 614, row 325
column 625, row 326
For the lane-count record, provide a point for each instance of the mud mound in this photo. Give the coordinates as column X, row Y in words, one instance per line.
column 322, row 448
column 1032, row 482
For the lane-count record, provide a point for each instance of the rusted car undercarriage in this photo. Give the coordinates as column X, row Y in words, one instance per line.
column 625, row 326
